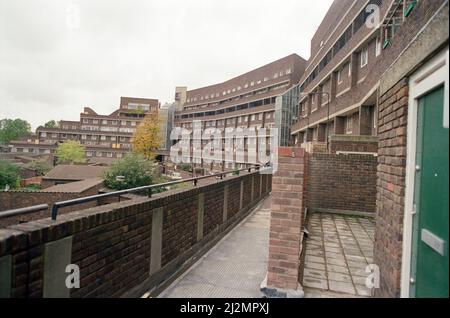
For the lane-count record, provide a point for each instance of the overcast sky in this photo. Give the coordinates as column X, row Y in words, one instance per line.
column 57, row 56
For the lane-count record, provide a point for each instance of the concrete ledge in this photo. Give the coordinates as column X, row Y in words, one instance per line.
column 354, row 138
column 271, row 292
column 344, row 212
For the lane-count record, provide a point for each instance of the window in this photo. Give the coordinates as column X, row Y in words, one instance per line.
column 95, row 121
column 377, row 47
column 315, row 134
column 268, row 115
column 104, row 122
column 133, row 123
column 109, row 154
column 349, row 125
column 83, row 136
column 364, row 57
column 339, row 76
column 43, row 134
column 89, row 154
column 114, row 122
column 85, row 120
column 253, row 117
column 260, row 116
column 103, row 137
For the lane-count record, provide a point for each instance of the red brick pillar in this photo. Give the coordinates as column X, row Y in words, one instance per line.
column 286, row 225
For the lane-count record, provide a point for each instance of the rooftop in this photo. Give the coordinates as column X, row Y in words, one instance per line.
column 74, row 172
column 75, row 187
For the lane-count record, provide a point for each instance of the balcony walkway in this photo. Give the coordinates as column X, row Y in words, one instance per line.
column 235, row 267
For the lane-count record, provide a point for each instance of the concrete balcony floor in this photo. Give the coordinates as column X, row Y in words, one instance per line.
column 337, row 252
column 235, row 267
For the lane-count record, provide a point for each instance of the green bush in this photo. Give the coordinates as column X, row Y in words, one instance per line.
column 32, row 187
column 9, row 175
column 185, row 167
column 135, row 170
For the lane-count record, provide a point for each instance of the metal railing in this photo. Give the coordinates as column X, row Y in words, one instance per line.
column 23, row 211
column 57, row 205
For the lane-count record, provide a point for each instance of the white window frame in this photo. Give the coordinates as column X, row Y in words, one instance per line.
column 339, row 76
column 364, row 56
column 349, row 120
column 427, row 78
column 378, row 47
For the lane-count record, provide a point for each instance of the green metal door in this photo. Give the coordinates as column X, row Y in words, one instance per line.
column 429, row 263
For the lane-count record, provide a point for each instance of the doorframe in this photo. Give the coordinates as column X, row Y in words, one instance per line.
column 430, row 76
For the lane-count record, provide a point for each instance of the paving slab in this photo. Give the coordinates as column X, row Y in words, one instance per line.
column 337, row 252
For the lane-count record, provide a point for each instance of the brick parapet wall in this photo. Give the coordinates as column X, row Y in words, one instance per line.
column 115, row 245
column 393, row 114
column 342, row 182
column 350, row 143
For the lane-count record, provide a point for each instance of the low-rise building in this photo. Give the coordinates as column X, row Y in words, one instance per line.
column 104, row 136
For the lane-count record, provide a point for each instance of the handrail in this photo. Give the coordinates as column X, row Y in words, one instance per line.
column 195, row 180
column 23, row 211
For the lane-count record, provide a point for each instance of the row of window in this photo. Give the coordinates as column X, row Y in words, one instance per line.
column 239, row 88
column 109, row 122
column 340, row 43
column 31, row 150
column 232, row 121
column 103, row 137
column 103, row 154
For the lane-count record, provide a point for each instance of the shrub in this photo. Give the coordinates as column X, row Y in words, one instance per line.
column 9, row 175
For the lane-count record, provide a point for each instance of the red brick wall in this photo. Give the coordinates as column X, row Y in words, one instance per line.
column 393, row 113
column 342, row 182
column 112, row 243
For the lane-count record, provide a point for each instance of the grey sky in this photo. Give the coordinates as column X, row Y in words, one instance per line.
column 51, row 66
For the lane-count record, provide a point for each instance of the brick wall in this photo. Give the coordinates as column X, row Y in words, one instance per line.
column 117, row 246
column 393, row 113
column 342, row 182
column 392, row 122
column 14, row 200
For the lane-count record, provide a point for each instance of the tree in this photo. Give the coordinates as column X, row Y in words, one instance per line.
column 51, row 124
column 12, row 129
column 40, row 166
column 147, row 137
column 132, row 171
column 70, row 152
column 9, row 175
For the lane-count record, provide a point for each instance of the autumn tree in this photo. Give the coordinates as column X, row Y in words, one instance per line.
column 147, row 137
column 70, row 152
